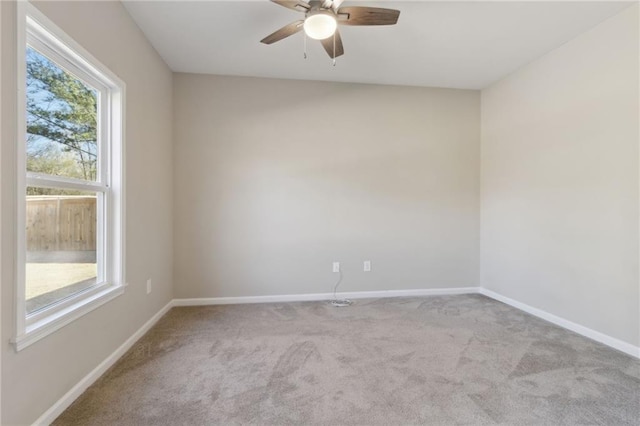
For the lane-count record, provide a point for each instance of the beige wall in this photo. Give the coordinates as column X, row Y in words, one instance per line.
column 35, row 378
column 276, row 179
column 2, row 134
column 560, row 181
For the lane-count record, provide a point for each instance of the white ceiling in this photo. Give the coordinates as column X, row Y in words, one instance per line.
column 465, row 45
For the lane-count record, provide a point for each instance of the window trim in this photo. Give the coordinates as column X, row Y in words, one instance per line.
column 34, row 27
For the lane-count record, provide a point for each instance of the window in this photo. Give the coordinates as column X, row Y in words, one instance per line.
column 70, row 256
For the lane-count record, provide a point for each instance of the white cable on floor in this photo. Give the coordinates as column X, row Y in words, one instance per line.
column 339, row 303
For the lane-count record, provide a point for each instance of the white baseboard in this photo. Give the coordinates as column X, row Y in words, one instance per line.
column 63, row 403
column 569, row 325
column 324, row 296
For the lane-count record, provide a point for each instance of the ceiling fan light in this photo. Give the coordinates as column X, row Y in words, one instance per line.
column 320, row 26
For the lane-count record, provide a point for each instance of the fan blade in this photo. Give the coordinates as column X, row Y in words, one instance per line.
column 283, row 32
column 368, row 16
column 327, row 43
column 297, row 5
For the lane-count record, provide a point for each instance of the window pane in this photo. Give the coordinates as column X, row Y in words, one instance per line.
column 61, row 121
column 61, row 229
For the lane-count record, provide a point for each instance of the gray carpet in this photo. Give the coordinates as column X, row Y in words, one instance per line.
column 433, row 360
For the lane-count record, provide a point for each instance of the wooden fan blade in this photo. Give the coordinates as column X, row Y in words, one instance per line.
column 368, row 16
column 283, row 32
column 327, row 43
column 297, row 5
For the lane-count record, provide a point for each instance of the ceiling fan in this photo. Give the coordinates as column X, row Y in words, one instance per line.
column 321, row 20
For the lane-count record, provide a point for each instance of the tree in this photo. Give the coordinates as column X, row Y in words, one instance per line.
column 61, row 121
column 52, row 161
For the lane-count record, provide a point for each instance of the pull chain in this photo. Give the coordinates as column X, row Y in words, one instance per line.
column 334, row 49
column 305, row 45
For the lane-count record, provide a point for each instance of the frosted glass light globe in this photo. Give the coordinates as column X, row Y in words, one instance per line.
column 320, row 26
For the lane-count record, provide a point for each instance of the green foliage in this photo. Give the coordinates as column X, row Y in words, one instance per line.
column 61, row 121
column 53, row 162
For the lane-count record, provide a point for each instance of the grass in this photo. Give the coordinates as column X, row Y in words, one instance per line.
column 42, row 278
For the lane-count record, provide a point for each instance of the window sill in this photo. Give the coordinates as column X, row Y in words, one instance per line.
column 51, row 323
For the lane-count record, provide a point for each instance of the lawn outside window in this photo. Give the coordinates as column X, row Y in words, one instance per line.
column 70, row 180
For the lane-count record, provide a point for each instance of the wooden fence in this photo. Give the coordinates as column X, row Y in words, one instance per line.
column 61, row 223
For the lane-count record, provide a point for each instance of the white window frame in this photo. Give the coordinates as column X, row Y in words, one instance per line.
column 38, row 31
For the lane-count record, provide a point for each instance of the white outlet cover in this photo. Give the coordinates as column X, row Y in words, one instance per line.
column 367, row 266
column 149, row 286
column 336, row 266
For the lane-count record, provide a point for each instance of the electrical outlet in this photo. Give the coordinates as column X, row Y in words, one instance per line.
column 367, row 266
column 149, row 286
column 336, row 266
